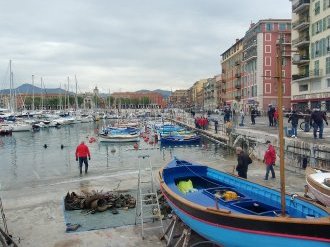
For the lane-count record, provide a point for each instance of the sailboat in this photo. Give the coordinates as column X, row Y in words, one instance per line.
column 233, row 211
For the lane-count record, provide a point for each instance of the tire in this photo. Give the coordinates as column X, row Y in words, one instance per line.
column 302, row 126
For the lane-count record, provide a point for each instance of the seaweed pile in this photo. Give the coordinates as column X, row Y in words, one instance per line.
column 96, row 201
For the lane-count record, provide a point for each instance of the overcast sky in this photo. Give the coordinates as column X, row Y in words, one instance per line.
column 123, row 45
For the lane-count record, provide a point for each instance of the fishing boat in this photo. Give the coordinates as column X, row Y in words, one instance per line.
column 232, row 211
column 111, row 134
column 180, row 139
column 318, row 182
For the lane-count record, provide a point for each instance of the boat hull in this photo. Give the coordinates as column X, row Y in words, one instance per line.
column 319, row 190
column 117, row 139
column 235, row 223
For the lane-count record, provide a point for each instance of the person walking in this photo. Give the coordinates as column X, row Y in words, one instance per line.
column 253, row 116
column 82, row 152
column 294, row 119
column 270, row 113
column 242, row 114
column 216, row 123
column 269, row 160
column 317, row 118
column 275, row 117
column 243, row 162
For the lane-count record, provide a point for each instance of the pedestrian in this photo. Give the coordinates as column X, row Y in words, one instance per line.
column 253, row 116
column 270, row 113
column 243, row 162
column 275, row 117
column 294, row 119
column 82, row 152
column 242, row 114
column 269, row 160
column 226, row 116
column 216, row 123
column 316, row 121
column 307, row 118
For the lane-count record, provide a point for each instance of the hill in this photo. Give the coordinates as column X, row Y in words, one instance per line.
column 29, row 89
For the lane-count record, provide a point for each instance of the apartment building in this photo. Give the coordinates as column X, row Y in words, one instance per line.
column 179, row 99
column 259, row 78
column 311, row 60
column 196, row 94
column 210, row 94
column 231, row 77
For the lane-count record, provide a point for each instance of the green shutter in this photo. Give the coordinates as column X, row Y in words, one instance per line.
column 313, row 29
column 312, row 50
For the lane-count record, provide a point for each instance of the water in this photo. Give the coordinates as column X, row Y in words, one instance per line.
column 24, row 160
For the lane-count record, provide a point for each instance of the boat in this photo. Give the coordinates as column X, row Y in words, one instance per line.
column 232, row 211
column 180, row 139
column 5, row 129
column 318, row 182
column 119, row 138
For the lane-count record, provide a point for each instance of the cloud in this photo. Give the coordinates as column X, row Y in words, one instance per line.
column 124, row 45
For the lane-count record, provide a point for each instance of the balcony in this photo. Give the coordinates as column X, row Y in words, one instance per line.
column 237, row 63
column 301, row 24
column 300, row 59
column 301, row 41
column 308, row 75
column 238, row 75
column 300, row 6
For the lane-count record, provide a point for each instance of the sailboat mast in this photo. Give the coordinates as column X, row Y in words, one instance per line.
column 280, row 122
column 42, row 95
column 68, row 92
column 76, row 96
column 10, row 87
column 32, row 92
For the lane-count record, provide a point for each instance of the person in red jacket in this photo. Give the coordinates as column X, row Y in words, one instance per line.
column 269, row 160
column 82, row 152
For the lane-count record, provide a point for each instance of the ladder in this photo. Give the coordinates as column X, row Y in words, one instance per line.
column 149, row 209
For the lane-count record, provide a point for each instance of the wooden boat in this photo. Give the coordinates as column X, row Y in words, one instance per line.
column 179, row 139
column 231, row 211
column 318, row 182
column 119, row 138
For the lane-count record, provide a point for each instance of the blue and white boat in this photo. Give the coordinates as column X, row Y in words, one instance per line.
column 189, row 139
column 111, row 134
column 231, row 211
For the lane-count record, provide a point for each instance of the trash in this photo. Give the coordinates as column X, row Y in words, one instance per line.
column 72, row 227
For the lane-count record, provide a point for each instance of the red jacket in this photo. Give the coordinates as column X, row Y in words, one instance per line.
column 270, row 156
column 82, row 151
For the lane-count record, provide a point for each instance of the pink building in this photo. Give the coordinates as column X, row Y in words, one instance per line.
column 259, row 83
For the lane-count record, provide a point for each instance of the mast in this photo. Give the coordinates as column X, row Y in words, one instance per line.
column 76, row 96
column 10, row 88
column 42, row 95
column 32, row 92
column 68, row 93
column 280, row 122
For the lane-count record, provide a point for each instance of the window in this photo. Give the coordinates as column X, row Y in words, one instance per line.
column 283, row 88
column 327, row 44
column 283, row 73
column 269, row 26
column 268, row 74
column 282, row 26
column 303, row 88
column 268, row 37
column 268, row 88
column 316, row 68
column 317, row 8
column 317, row 49
column 328, row 82
column 268, row 49
column 268, row 61
column 316, row 86
column 327, row 65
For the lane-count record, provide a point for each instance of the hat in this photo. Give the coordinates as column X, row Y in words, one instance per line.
column 268, row 141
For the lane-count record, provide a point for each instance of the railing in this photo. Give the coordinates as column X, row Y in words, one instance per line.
column 299, row 4
column 304, row 38
column 304, row 21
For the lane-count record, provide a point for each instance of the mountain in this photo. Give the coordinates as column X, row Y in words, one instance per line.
column 164, row 93
column 28, row 89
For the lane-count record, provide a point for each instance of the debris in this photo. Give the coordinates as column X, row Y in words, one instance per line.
column 72, row 227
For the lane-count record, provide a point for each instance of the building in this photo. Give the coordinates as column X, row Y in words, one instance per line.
column 196, row 96
column 231, row 77
column 179, row 99
column 311, row 60
column 259, row 78
column 210, row 94
column 143, row 100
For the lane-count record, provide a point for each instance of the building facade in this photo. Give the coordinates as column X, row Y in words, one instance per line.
column 311, row 60
column 179, row 99
column 210, row 94
column 259, row 78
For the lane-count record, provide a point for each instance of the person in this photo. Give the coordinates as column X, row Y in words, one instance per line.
column 82, row 152
column 317, row 118
column 226, row 116
column 269, row 160
column 275, row 117
column 294, row 119
column 270, row 113
column 307, row 118
column 242, row 114
column 243, row 162
column 216, row 123
column 253, row 116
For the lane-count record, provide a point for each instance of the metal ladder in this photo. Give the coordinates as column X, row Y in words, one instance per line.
column 147, row 197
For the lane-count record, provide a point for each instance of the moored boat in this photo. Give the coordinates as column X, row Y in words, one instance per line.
column 318, row 182
column 232, row 211
column 119, row 138
column 180, row 139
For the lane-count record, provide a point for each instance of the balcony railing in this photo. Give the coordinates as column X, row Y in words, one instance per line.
column 303, row 40
column 300, row 6
column 300, row 59
column 316, row 73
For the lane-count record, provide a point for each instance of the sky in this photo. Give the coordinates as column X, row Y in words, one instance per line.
column 123, row 45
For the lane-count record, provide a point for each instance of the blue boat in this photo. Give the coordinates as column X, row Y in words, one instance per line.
column 179, row 140
column 232, row 211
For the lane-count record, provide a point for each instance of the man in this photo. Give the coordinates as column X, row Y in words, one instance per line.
column 253, row 116
column 294, row 119
column 269, row 160
column 82, row 152
column 216, row 123
column 270, row 113
column 307, row 118
column 243, row 161
column 316, row 121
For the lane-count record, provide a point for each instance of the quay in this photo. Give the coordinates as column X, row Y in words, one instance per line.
column 35, row 212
